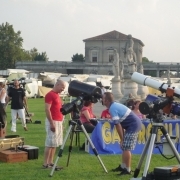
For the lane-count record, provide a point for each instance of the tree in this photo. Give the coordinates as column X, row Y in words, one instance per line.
column 33, row 53
column 41, row 57
column 36, row 56
column 148, row 72
column 78, row 58
column 24, row 56
column 10, row 46
column 11, row 49
column 146, row 60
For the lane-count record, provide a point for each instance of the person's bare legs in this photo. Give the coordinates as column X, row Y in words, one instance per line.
column 126, row 159
column 51, row 155
column 47, row 152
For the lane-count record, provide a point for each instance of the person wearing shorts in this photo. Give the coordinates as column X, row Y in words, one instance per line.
column 128, row 125
column 53, row 123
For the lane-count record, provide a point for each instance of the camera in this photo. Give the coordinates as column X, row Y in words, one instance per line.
column 81, row 91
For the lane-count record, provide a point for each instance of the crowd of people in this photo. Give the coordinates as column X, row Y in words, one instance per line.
column 127, row 120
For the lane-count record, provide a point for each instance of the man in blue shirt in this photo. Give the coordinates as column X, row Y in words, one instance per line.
column 128, row 125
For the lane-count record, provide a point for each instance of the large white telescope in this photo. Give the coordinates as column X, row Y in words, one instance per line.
column 154, row 83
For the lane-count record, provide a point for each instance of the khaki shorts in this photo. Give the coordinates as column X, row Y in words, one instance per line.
column 54, row 139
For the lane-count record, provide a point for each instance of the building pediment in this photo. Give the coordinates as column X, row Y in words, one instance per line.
column 113, row 35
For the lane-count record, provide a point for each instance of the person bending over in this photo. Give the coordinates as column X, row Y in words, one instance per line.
column 128, row 125
column 53, row 123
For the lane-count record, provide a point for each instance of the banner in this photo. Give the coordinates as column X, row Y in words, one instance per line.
column 106, row 139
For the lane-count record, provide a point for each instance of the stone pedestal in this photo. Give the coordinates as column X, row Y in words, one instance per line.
column 122, row 86
column 130, row 87
column 116, row 89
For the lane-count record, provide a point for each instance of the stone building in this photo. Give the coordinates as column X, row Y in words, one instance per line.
column 99, row 49
column 98, row 56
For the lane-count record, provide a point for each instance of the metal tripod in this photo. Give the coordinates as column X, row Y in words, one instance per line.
column 27, row 114
column 148, row 148
column 71, row 128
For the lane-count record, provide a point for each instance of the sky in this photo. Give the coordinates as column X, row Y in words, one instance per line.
column 58, row 27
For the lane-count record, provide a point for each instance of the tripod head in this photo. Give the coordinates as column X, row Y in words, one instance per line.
column 154, row 105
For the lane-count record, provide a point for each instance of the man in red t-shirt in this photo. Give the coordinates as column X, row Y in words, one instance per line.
column 54, row 118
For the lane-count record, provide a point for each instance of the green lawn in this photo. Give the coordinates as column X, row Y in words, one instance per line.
column 82, row 165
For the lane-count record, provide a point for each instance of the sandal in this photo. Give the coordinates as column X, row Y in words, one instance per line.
column 57, row 168
column 45, row 166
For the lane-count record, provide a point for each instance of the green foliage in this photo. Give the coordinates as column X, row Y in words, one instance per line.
column 41, row 57
column 33, row 53
column 36, row 56
column 82, row 166
column 78, row 58
column 146, row 60
column 10, row 46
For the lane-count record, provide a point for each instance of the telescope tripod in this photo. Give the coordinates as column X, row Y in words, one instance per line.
column 73, row 124
column 149, row 144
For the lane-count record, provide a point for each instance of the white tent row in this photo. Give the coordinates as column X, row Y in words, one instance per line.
column 33, row 81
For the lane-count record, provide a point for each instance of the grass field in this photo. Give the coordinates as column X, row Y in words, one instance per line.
column 82, row 165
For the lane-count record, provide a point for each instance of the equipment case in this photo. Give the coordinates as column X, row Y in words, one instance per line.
column 11, row 156
column 167, row 173
column 31, row 150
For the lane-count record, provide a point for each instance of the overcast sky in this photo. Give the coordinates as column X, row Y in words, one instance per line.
column 59, row 26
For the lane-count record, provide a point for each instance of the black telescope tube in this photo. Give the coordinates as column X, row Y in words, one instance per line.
column 77, row 88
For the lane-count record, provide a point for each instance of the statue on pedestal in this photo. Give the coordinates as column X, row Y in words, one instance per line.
column 121, row 69
column 140, row 69
column 116, row 65
column 169, row 76
column 130, row 55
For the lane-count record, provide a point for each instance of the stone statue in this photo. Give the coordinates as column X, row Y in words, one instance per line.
column 169, row 76
column 121, row 69
column 116, row 65
column 130, row 55
column 140, row 69
column 129, row 43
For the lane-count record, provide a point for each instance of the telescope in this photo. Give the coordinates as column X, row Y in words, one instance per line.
column 154, row 83
column 81, row 91
column 153, row 103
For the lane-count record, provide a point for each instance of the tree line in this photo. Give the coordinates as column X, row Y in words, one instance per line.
column 11, row 48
